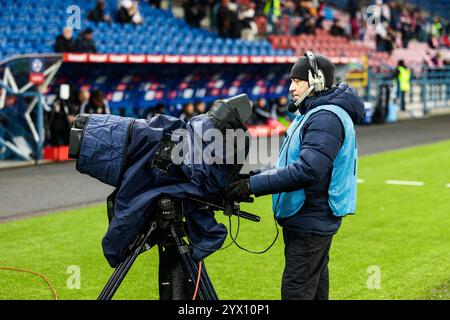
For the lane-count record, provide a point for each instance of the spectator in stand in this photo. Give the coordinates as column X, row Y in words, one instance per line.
column 336, row 29
column 200, row 107
column 280, row 111
column 261, row 112
column 155, row 3
column 97, row 104
column 288, row 10
column 98, row 13
column 390, row 40
column 188, row 112
column 433, row 60
column 406, row 28
column 307, row 19
column 396, row 11
column 381, row 34
column 228, row 25
column 158, row 109
column 64, row 42
column 222, row 18
column 419, row 31
column 320, row 14
column 85, row 42
column 246, row 17
column 81, row 101
column 355, row 27
column 446, row 40
column 272, row 10
column 129, row 12
column 436, row 31
column 194, row 11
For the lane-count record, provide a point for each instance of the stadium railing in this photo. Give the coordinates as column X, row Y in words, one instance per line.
column 429, row 93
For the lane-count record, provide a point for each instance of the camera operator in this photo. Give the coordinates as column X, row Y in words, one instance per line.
column 314, row 182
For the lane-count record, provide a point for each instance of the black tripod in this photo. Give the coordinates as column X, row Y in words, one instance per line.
column 177, row 269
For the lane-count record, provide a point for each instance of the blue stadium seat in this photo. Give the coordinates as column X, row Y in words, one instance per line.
column 42, row 21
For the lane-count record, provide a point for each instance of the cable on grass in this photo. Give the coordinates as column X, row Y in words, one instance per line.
column 55, row 294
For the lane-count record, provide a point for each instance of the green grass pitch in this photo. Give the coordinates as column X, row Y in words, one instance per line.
column 401, row 232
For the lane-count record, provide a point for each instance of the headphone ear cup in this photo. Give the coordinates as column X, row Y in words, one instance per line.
column 317, row 82
column 320, row 81
column 311, row 81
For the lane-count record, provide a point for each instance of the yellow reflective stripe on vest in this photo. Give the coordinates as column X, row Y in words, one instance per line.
column 276, row 7
column 404, row 78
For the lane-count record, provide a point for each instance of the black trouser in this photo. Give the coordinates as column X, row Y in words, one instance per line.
column 402, row 100
column 305, row 275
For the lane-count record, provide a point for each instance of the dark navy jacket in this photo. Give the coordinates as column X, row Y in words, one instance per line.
column 322, row 137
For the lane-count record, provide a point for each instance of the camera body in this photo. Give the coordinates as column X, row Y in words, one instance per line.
column 134, row 156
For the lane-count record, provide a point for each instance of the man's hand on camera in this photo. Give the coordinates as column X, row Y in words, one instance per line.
column 239, row 191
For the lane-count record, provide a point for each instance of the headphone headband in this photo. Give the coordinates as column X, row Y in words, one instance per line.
column 312, row 62
column 316, row 77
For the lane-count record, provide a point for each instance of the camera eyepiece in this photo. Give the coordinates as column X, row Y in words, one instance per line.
column 76, row 135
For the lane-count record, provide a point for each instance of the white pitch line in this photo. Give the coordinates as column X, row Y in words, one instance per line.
column 405, row 183
column 448, row 185
column 360, row 180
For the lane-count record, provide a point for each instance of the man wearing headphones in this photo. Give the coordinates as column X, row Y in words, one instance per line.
column 314, row 182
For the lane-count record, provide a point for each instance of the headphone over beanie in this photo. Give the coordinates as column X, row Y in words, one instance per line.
column 301, row 67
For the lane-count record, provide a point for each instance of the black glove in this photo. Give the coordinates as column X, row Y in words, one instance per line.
column 239, row 191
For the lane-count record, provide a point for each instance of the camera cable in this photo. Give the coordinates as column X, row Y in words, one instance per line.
column 233, row 238
column 36, row 274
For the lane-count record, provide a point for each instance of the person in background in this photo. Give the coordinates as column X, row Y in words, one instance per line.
column 227, row 20
column 58, row 125
column 435, row 34
column 85, row 42
column 246, row 16
column 158, row 109
column 81, row 100
column 129, row 12
column 390, row 40
column 280, row 111
column 98, row 13
column 403, row 76
column 272, row 10
column 64, row 42
column 200, row 107
column 406, row 28
column 188, row 112
column 97, row 104
column 261, row 112
column 355, row 27
column 155, row 3
column 194, row 11
column 336, row 29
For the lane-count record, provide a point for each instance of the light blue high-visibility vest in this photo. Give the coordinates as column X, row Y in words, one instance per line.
column 342, row 190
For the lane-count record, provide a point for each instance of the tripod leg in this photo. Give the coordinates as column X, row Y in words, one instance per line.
column 174, row 283
column 205, row 278
column 116, row 278
column 206, row 290
column 122, row 269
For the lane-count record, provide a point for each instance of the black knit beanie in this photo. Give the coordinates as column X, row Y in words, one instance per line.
column 301, row 67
